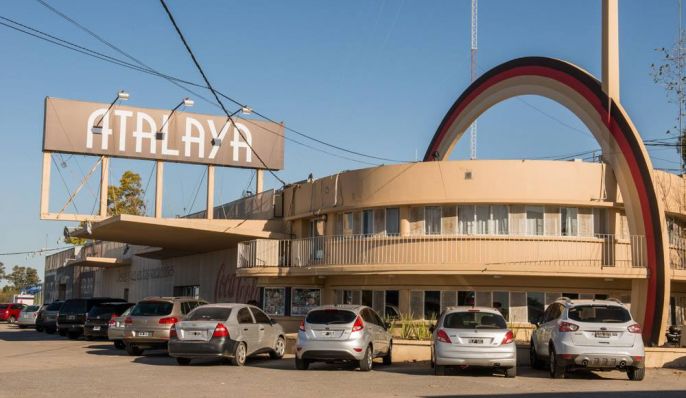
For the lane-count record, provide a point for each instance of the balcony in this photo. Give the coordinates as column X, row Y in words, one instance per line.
column 605, row 254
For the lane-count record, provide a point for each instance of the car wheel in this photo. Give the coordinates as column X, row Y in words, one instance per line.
column 534, row 361
column 439, row 370
column 133, row 350
column 511, row 372
column 73, row 335
column 50, row 330
column 90, row 338
column 39, row 328
column 22, row 326
column 301, row 364
column 118, row 344
column 388, row 358
column 183, row 361
column 12, row 319
column 557, row 371
column 636, row 374
column 367, row 361
column 62, row 333
column 279, row 349
column 239, row 355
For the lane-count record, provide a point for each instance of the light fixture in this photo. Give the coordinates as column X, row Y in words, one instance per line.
column 246, row 110
column 216, row 141
column 121, row 96
column 187, row 102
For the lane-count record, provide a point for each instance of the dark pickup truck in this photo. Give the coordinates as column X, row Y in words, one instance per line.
column 73, row 313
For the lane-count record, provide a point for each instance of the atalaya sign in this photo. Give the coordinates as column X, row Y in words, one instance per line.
column 141, row 133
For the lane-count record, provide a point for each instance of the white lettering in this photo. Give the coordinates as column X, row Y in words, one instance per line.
column 105, row 124
column 123, row 116
column 222, row 134
column 237, row 143
column 141, row 134
column 165, row 138
column 188, row 138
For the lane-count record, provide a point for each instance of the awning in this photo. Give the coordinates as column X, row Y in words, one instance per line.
column 182, row 234
column 100, row 262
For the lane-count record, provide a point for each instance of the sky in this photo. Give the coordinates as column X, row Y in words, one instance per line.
column 376, row 77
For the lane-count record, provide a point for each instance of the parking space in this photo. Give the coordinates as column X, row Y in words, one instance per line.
column 39, row 365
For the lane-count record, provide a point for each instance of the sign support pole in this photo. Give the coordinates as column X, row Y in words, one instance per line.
column 210, row 192
column 104, row 186
column 45, row 185
column 259, row 181
column 159, row 186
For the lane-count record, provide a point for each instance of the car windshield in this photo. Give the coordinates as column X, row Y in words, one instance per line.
column 152, row 308
column 3, row 306
column 54, row 307
column 209, row 314
column 74, row 307
column 599, row 314
column 101, row 309
column 32, row 308
column 474, row 320
column 330, row 317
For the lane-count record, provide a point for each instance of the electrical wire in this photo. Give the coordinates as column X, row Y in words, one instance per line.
column 39, row 251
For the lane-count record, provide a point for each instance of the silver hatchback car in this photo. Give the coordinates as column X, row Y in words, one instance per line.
column 343, row 333
column 473, row 336
column 592, row 334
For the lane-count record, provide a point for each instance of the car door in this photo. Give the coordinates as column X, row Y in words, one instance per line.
column 384, row 339
column 370, row 322
column 248, row 329
column 550, row 325
column 265, row 331
column 539, row 333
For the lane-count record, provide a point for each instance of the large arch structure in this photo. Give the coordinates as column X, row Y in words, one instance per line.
column 622, row 148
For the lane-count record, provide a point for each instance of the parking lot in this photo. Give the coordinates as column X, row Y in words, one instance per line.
column 36, row 365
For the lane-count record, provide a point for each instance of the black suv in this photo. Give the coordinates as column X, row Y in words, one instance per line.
column 73, row 314
column 98, row 318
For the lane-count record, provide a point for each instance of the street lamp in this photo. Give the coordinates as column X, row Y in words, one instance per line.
column 245, row 110
column 121, row 96
column 187, row 102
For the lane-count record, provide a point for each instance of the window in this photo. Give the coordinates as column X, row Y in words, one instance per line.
column 599, row 314
column 219, row 314
column 274, row 300
column 330, row 316
column 368, row 222
column 392, row 307
column 568, row 221
column 260, row 317
column 535, row 305
column 483, row 299
column 392, row 221
column 244, row 316
column 500, row 215
column 483, row 219
column 302, row 300
column 432, row 220
column 501, row 302
column 573, row 296
column 465, row 298
column 432, row 304
column 152, row 308
column 367, row 298
column 448, row 299
column 417, row 304
column 534, row 220
column 126, row 294
column 474, row 320
column 465, row 220
column 187, row 291
column 348, row 223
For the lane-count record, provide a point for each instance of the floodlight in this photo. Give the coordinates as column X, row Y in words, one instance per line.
column 216, row 141
column 122, row 95
column 188, row 102
column 246, row 110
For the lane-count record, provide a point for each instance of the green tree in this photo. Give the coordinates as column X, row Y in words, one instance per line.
column 2, row 271
column 127, row 198
column 23, row 277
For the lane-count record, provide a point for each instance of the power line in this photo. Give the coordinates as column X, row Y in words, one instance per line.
column 39, row 251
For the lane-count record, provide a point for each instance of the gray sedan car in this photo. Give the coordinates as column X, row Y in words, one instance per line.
column 473, row 336
column 27, row 316
column 231, row 331
column 343, row 333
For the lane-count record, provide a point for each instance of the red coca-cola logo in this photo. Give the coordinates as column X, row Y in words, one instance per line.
column 229, row 288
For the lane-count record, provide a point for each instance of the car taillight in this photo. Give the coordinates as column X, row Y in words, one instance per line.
column 172, row 331
column 358, row 325
column 442, row 336
column 170, row 320
column 302, row 326
column 635, row 328
column 509, row 338
column 220, row 331
column 111, row 323
column 568, row 327
column 128, row 320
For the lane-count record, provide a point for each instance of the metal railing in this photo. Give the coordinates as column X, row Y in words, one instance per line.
column 597, row 251
column 677, row 253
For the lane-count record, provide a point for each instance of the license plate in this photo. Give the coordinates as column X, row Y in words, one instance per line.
column 476, row 341
column 143, row 334
column 71, row 317
column 96, row 328
column 605, row 335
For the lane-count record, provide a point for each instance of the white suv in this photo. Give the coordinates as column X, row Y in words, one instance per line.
column 593, row 334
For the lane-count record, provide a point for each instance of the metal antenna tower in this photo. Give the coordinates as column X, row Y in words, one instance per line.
column 472, row 133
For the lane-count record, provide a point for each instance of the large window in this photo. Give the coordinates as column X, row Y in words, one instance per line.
column 501, row 302
column 535, row 306
column 569, row 222
column 392, row 221
column 368, row 222
column 187, row 291
column 534, row 220
column 432, row 304
column 482, row 219
column 432, row 220
column 274, row 300
column 303, row 300
column 348, row 223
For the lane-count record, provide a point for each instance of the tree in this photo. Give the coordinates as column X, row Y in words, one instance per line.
column 2, row 271
column 23, row 277
column 127, row 198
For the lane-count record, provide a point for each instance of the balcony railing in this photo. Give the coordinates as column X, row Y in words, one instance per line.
column 597, row 251
column 677, row 253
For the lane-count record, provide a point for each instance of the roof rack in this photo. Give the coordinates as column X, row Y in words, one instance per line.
column 564, row 298
column 616, row 300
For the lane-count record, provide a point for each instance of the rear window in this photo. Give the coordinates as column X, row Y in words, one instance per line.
column 599, row 314
column 102, row 309
column 32, row 308
column 3, row 306
column 54, row 307
column 474, row 320
column 152, row 308
column 74, row 307
column 330, row 317
column 209, row 314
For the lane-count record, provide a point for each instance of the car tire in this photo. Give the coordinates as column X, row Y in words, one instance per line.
column 73, row 335
column 183, row 361
column 239, row 354
column 90, row 338
column 279, row 348
column 133, row 350
column 12, row 320
column 511, row 372
column 301, row 364
column 22, row 326
column 636, row 374
column 366, row 363
column 534, row 360
column 388, row 358
column 62, row 333
column 50, row 330
column 39, row 329
column 557, row 371
column 439, row 370
column 118, row 344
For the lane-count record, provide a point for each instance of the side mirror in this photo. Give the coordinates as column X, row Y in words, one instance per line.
column 272, row 322
column 387, row 325
column 432, row 328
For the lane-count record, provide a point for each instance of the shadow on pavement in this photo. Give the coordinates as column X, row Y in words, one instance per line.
column 13, row 333
column 585, row 394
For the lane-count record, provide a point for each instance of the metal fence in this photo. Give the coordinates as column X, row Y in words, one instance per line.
column 597, row 251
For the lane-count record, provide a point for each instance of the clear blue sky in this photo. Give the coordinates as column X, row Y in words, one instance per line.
column 374, row 76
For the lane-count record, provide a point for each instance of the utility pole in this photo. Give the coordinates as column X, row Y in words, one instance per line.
column 472, row 133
